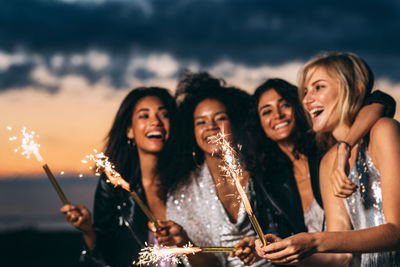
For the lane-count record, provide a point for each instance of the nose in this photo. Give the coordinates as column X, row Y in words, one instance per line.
column 278, row 113
column 212, row 125
column 156, row 120
column 308, row 98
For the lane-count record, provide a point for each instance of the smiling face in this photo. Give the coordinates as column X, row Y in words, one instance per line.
column 320, row 100
column 210, row 118
column 276, row 116
column 150, row 125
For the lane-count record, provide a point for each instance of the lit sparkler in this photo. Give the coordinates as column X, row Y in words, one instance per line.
column 29, row 147
column 231, row 168
column 154, row 254
column 103, row 164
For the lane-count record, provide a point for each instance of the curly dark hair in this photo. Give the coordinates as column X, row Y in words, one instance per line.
column 177, row 161
column 126, row 159
column 263, row 154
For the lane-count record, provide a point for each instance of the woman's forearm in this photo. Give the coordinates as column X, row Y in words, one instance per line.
column 374, row 239
column 363, row 123
column 327, row 260
column 90, row 238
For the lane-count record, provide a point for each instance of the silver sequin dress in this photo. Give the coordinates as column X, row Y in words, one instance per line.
column 196, row 207
column 365, row 205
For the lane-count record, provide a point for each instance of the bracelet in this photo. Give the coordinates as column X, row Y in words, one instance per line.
column 348, row 146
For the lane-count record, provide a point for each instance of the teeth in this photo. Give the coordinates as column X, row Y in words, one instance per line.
column 314, row 112
column 280, row 125
column 154, row 134
column 212, row 138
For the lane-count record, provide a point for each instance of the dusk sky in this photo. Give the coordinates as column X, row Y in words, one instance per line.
column 66, row 65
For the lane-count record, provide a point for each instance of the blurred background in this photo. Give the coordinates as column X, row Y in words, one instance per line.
column 65, row 66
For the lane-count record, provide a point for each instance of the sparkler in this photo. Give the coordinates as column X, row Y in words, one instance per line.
column 150, row 255
column 29, row 147
column 231, row 168
column 103, row 164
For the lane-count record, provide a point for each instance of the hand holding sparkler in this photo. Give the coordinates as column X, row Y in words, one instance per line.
column 245, row 250
column 79, row 217
column 171, row 234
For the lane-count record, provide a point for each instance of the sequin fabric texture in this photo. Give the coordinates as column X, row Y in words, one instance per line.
column 196, row 207
column 365, row 205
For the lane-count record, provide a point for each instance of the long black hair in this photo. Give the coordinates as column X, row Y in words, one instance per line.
column 264, row 154
column 125, row 157
column 178, row 161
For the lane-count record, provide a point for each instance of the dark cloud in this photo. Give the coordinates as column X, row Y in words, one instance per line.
column 248, row 32
column 16, row 76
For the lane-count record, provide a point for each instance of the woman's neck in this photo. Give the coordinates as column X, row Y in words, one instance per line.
column 213, row 164
column 287, row 147
column 148, row 165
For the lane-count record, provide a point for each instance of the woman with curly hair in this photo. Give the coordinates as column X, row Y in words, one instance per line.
column 203, row 206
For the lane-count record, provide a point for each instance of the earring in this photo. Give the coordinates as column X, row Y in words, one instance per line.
column 194, row 159
column 131, row 142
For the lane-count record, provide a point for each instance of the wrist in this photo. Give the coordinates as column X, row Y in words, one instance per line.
column 318, row 243
column 88, row 231
column 345, row 145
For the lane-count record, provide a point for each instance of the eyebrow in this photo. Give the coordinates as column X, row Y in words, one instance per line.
column 147, row 109
column 268, row 105
column 217, row 113
column 320, row 80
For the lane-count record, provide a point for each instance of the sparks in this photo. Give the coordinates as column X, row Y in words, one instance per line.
column 232, row 169
column 28, row 145
column 155, row 254
column 113, row 177
column 104, row 165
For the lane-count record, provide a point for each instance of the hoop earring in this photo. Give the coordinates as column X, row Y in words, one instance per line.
column 194, row 159
column 131, row 142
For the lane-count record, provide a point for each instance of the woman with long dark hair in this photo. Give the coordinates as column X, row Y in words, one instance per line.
column 140, row 130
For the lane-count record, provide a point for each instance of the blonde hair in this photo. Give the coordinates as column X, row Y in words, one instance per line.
column 355, row 79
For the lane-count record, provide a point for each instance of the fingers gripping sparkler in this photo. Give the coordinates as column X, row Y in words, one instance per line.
column 231, row 168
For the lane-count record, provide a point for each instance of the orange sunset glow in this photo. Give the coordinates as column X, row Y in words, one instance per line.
column 75, row 119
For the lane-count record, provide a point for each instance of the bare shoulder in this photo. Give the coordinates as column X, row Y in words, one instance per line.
column 383, row 130
column 384, row 137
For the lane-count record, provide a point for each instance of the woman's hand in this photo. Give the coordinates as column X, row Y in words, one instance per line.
column 270, row 238
column 245, row 250
column 78, row 216
column 170, row 233
column 289, row 251
column 341, row 185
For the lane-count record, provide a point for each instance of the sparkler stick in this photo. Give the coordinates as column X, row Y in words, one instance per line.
column 232, row 168
column 149, row 255
column 28, row 147
column 116, row 179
